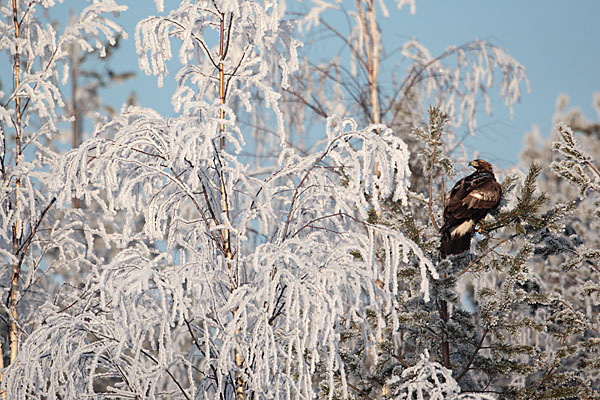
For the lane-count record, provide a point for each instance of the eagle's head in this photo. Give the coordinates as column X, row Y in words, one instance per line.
column 481, row 165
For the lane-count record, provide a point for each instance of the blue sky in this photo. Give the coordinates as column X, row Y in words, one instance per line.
column 556, row 41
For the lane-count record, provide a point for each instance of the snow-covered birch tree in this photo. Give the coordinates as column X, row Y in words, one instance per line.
column 37, row 242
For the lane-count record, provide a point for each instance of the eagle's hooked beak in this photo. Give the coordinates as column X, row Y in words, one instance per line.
column 474, row 164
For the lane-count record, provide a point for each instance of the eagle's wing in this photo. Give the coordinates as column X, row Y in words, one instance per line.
column 485, row 195
column 470, row 195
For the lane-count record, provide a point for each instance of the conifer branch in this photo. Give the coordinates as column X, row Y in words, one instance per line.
column 431, row 165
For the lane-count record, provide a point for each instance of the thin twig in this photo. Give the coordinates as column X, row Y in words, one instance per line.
column 144, row 352
column 337, row 214
column 415, row 75
column 296, row 191
column 189, row 326
column 357, row 390
column 234, row 71
column 319, row 111
column 593, row 264
column 27, row 241
column 593, row 167
column 485, row 253
column 149, row 154
column 216, row 7
column 210, row 210
column 228, row 37
column 277, row 311
column 344, row 38
column 401, row 360
column 99, row 336
column 468, row 366
column 185, row 189
column 25, row 245
column 195, row 340
column 206, row 50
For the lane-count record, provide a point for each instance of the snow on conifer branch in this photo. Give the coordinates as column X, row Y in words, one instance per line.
column 428, row 380
column 576, row 166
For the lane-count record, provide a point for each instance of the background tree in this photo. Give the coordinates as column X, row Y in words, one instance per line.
column 569, row 262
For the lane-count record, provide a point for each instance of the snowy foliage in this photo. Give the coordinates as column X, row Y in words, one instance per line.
column 37, row 243
column 43, row 53
column 565, row 261
column 456, row 88
column 428, row 380
column 457, row 81
column 576, row 166
column 280, row 298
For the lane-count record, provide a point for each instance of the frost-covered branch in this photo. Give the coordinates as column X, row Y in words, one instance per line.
column 574, row 161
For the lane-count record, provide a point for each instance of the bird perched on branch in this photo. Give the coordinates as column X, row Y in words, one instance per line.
column 469, row 201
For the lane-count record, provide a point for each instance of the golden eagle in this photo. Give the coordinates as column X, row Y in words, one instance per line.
column 469, row 201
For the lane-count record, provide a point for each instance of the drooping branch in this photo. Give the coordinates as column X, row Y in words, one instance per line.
column 98, row 337
column 297, row 189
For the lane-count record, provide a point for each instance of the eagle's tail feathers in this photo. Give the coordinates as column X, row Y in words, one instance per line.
column 456, row 239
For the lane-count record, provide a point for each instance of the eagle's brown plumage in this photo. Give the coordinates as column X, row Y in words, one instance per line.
column 469, row 201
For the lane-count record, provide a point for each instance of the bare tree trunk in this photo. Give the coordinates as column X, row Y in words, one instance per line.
column 75, row 108
column 2, row 393
column 445, row 345
column 16, row 228
column 239, row 380
column 374, row 64
column 371, row 45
